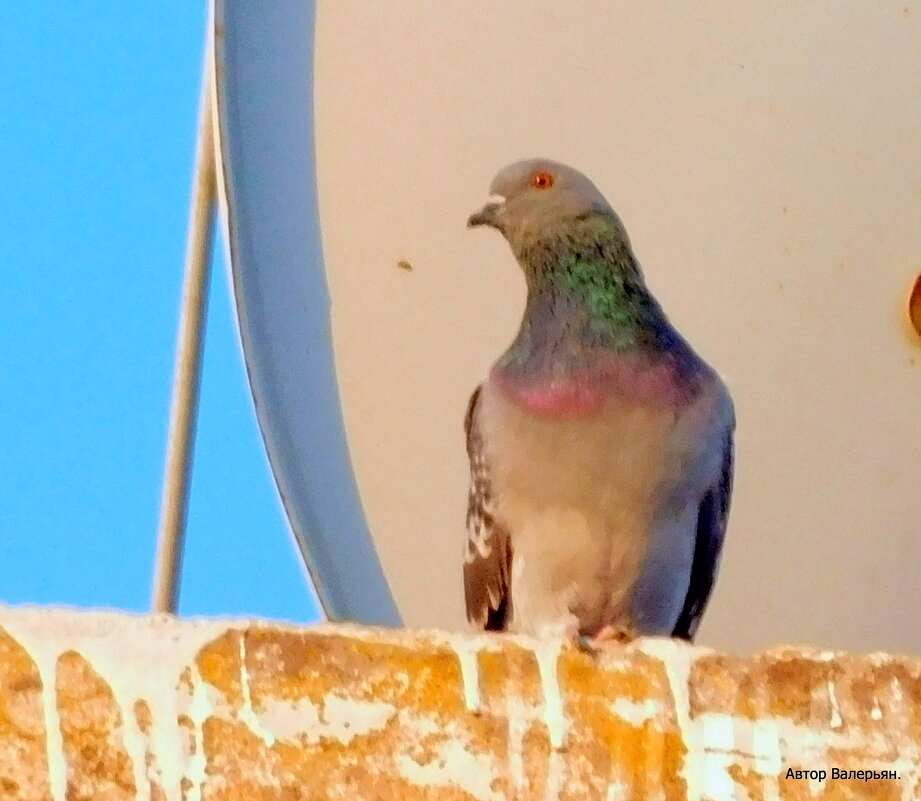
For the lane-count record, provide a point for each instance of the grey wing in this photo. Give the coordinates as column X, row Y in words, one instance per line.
column 487, row 553
column 711, row 530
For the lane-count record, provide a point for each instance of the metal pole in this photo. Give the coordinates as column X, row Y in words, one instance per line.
column 187, row 375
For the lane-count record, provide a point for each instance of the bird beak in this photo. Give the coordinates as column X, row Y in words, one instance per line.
column 490, row 214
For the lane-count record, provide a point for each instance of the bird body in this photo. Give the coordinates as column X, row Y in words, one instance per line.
column 600, row 443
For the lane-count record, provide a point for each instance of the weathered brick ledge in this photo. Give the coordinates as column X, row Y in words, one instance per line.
column 109, row 706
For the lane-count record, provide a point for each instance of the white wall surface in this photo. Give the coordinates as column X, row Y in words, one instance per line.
column 766, row 159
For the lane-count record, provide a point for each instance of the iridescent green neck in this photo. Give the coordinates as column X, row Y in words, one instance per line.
column 585, row 294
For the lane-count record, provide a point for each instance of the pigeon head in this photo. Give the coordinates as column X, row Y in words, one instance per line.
column 531, row 195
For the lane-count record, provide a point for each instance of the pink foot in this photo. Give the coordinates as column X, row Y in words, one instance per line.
column 607, row 634
column 619, row 634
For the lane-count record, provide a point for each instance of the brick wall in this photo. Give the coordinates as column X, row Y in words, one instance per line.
column 108, row 706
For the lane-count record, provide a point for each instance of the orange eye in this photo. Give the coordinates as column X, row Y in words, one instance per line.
column 542, row 180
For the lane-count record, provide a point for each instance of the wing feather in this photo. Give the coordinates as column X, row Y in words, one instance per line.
column 711, row 530
column 487, row 553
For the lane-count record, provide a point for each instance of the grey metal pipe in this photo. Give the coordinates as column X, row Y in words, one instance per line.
column 187, row 375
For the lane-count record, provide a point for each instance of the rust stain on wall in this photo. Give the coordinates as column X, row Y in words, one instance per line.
column 160, row 709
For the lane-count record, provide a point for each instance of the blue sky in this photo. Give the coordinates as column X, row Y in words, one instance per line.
column 96, row 149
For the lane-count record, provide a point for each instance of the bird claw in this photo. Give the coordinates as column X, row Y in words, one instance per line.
column 619, row 634
column 587, row 646
column 607, row 634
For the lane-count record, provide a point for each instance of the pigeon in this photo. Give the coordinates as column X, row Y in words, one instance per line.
column 600, row 443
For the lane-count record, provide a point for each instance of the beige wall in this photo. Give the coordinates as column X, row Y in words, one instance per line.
column 766, row 159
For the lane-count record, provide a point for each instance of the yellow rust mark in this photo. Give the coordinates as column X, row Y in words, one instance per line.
column 427, row 679
column 732, row 685
column 513, row 666
column 91, row 725
column 143, row 716
column 304, row 666
column 20, row 691
column 218, row 664
column 799, row 688
column 23, row 757
column 914, row 306
column 645, row 757
column 632, row 675
column 363, row 768
column 751, row 781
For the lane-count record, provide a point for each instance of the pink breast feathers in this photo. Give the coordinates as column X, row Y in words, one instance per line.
column 585, row 391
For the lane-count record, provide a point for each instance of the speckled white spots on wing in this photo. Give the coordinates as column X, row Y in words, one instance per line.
column 478, row 545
